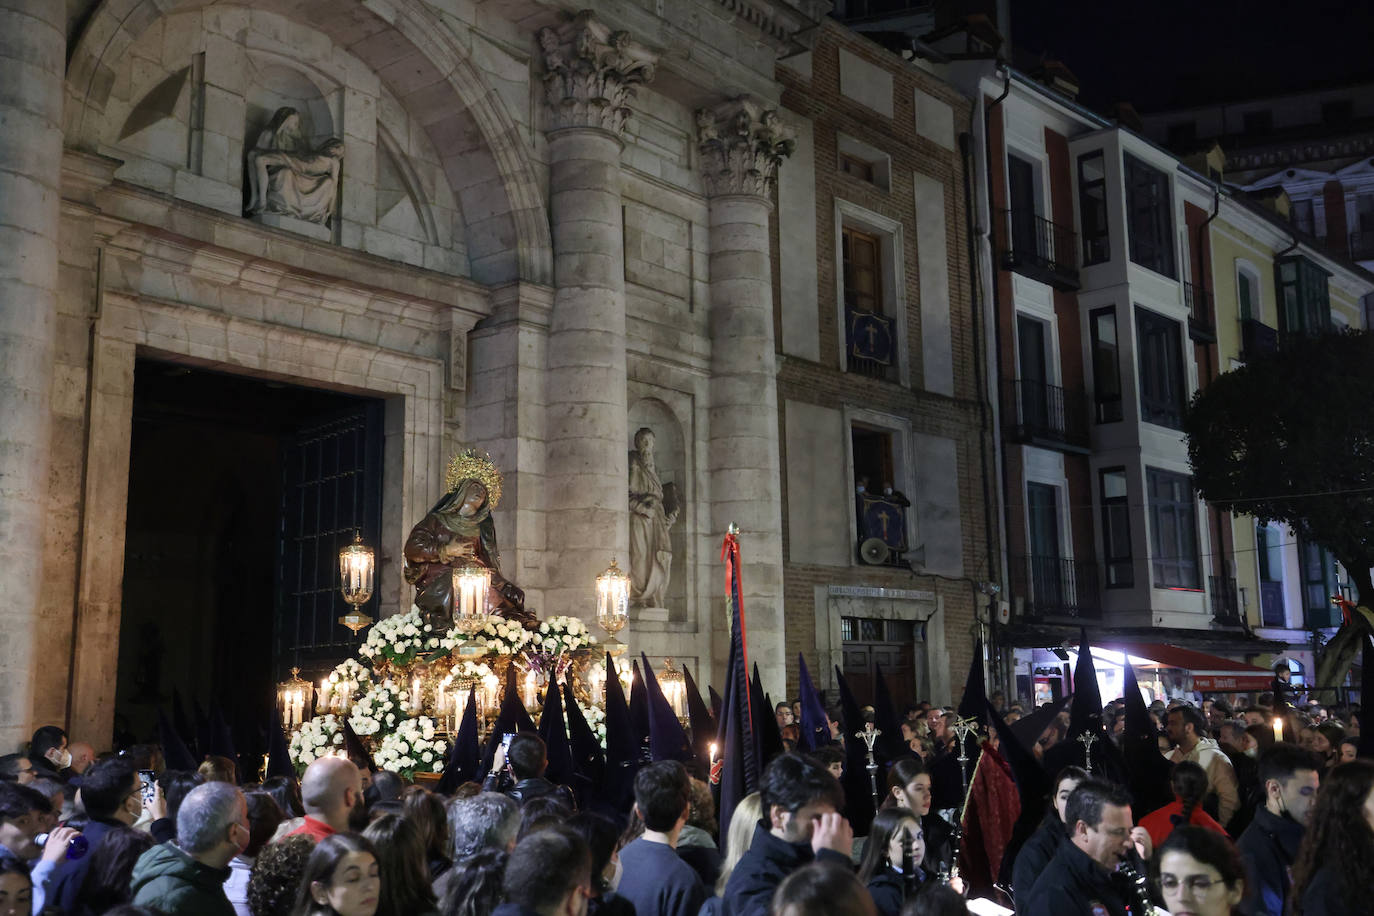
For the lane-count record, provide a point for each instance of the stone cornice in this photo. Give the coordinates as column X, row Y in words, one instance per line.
column 742, row 144
column 592, row 73
column 788, row 25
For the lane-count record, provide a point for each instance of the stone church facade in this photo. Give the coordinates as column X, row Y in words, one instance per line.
column 552, row 227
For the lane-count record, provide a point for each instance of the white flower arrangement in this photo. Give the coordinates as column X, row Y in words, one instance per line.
column 321, row 736
column 350, row 671
column 503, row 637
column 596, row 718
column 380, row 711
column 412, row 748
column 400, row 637
column 471, row 671
column 560, row 635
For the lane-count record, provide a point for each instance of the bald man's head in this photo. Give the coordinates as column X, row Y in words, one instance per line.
column 332, row 791
column 83, row 755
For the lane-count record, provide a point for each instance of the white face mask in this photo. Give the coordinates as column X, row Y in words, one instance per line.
column 60, row 758
column 616, row 875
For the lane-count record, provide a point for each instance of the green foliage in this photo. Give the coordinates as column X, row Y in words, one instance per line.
column 1289, row 437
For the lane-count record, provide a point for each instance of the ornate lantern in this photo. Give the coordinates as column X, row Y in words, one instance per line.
column 357, row 571
column 470, row 587
column 613, row 606
column 674, row 687
column 293, row 699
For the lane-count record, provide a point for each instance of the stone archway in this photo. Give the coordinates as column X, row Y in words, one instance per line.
column 434, row 78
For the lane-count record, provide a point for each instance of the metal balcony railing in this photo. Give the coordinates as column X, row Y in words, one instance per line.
column 1257, row 338
column 1045, row 414
column 1038, row 248
column 1199, row 302
column 1225, row 598
column 1056, row 587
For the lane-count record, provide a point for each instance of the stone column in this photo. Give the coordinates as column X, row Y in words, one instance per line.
column 742, row 146
column 591, row 75
column 32, row 56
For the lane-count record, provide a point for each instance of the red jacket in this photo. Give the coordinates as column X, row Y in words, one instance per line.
column 1159, row 824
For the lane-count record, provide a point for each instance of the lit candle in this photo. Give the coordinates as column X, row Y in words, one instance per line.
column 531, row 689
column 1278, row 729
column 713, row 752
column 322, row 701
column 415, row 694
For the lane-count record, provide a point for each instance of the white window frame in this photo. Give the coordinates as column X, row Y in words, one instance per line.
column 902, row 461
column 892, row 237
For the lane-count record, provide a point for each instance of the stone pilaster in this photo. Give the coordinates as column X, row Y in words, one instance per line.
column 32, row 57
column 591, row 76
column 741, row 146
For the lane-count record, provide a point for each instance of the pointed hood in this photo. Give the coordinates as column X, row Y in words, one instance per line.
column 553, row 729
column 464, row 756
column 184, row 729
column 1085, row 716
column 174, row 751
column 667, row 740
column 716, row 702
column 699, row 719
column 622, row 747
column 1030, row 727
column 735, row 771
column 1147, row 771
column 588, row 758
column 815, row 723
column 858, row 793
column 512, row 718
column 354, row 747
column 221, row 738
column 639, row 705
column 767, row 737
column 278, row 750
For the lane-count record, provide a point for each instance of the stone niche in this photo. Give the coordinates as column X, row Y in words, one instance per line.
column 671, row 459
column 196, row 89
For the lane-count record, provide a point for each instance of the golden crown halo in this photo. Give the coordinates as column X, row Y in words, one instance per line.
column 470, row 464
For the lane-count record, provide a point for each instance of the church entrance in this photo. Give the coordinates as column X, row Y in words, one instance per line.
column 241, row 493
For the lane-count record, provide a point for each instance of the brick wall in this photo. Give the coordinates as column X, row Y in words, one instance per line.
column 823, row 383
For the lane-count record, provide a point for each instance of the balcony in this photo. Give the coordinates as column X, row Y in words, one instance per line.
column 1045, row 415
column 1199, row 302
column 1362, row 246
column 1225, row 599
column 1257, row 338
column 1055, row 587
column 1037, row 248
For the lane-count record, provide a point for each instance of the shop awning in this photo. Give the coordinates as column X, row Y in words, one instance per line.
column 1210, row 672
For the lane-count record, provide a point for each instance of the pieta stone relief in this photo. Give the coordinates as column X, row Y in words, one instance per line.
column 287, row 176
column 654, row 508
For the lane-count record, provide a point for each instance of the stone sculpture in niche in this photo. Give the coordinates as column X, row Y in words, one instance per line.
column 654, row 507
column 287, row 176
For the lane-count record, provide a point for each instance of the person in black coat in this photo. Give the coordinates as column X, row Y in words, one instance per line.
column 1269, row 846
column 519, row 772
column 1080, row 880
column 1334, row 870
column 882, row 870
column 1035, row 854
column 801, row 823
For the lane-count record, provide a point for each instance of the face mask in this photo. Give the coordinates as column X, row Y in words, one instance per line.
column 618, row 872
column 60, row 758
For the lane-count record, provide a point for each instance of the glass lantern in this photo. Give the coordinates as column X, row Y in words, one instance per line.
column 674, row 687
column 470, row 587
column 294, row 699
column 613, row 606
column 357, row 572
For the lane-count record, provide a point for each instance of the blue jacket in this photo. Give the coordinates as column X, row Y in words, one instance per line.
column 763, row 867
column 67, row 879
column 1269, row 846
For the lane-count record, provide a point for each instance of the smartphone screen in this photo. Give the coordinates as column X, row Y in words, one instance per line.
column 148, row 780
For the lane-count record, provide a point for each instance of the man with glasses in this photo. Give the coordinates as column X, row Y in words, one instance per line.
column 111, row 795
column 1288, row 776
column 1080, row 879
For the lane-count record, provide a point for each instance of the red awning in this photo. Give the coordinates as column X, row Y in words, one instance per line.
column 1210, row 672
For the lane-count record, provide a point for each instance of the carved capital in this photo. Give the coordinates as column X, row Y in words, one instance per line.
column 592, row 73
column 742, row 144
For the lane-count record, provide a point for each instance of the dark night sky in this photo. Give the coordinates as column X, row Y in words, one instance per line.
column 1172, row 54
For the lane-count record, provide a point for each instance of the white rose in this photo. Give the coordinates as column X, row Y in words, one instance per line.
column 427, row 757
column 438, row 766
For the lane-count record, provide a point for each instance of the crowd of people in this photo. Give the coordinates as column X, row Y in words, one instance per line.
column 1256, row 826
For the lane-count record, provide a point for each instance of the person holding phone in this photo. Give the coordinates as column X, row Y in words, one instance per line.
column 517, row 769
column 113, row 797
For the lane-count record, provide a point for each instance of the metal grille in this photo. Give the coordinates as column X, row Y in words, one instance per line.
column 331, row 488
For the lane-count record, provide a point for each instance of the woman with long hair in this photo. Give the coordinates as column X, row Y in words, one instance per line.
column 1040, row 847
column 881, row 869
column 106, row 884
column 341, row 878
column 1334, row 869
column 908, row 786
column 474, row 888
column 406, row 888
column 1189, row 782
column 1326, row 742
column 746, row 817
column 1199, row 872
column 427, row 812
column 287, row 792
column 16, row 890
